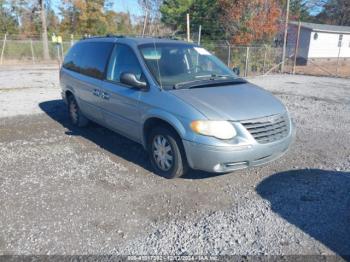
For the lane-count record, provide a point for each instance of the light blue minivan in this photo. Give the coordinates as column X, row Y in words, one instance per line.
column 178, row 100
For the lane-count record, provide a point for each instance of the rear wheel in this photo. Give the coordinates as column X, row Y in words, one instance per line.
column 166, row 153
column 75, row 115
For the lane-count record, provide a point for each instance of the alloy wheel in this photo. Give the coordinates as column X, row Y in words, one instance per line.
column 162, row 153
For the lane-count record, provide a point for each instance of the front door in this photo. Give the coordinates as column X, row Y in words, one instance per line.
column 120, row 102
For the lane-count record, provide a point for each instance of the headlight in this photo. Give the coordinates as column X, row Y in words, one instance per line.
column 218, row 129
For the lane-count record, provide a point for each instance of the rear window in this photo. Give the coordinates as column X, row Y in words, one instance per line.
column 89, row 58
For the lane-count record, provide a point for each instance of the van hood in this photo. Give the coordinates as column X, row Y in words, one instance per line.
column 232, row 102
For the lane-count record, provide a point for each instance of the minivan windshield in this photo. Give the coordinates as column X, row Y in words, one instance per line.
column 174, row 65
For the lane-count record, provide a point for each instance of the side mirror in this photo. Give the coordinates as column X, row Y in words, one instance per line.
column 236, row 70
column 131, row 80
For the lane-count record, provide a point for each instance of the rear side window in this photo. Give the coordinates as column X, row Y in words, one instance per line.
column 72, row 61
column 89, row 58
column 123, row 60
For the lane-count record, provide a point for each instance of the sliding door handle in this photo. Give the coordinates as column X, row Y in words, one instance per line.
column 105, row 95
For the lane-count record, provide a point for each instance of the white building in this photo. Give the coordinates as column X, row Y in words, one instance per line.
column 319, row 42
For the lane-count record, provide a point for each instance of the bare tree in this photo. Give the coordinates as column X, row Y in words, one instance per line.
column 44, row 30
column 151, row 12
column 146, row 7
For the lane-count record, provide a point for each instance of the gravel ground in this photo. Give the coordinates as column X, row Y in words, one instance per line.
column 22, row 89
column 90, row 191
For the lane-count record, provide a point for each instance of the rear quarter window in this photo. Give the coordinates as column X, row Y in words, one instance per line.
column 72, row 59
column 89, row 58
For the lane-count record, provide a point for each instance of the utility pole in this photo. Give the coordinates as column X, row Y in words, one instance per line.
column 3, row 49
column 32, row 51
column 44, row 31
column 246, row 62
column 229, row 54
column 145, row 19
column 285, row 36
column 71, row 40
column 188, row 28
column 340, row 45
column 296, row 48
column 199, row 34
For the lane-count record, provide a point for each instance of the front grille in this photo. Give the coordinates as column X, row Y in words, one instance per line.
column 268, row 129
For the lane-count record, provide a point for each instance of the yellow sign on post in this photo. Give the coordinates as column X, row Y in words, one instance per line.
column 56, row 39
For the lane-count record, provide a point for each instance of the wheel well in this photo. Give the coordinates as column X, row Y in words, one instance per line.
column 156, row 122
column 69, row 94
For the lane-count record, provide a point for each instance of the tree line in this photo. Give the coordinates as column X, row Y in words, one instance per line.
column 79, row 17
column 254, row 21
column 237, row 21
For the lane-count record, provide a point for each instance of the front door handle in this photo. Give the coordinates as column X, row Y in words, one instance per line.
column 96, row 92
column 105, row 95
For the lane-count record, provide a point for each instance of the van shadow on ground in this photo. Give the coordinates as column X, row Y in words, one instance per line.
column 316, row 201
column 106, row 139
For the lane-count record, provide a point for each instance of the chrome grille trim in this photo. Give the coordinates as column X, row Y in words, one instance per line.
column 268, row 129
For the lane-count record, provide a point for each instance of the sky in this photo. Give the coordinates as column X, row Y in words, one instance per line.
column 118, row 5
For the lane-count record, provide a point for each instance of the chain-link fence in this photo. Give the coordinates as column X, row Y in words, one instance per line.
column 263, row 60
column 15, row 51
column 248, row 61
column 317, row 66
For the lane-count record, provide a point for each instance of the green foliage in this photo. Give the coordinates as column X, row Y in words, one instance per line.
column 92, row 18
column 52, row 21
column 174, row 13
column 118, row 23
column 300, row 11
column 207, row 14
column 83, row 17
column 335, row 12
column 8, row 22
column 202, row 12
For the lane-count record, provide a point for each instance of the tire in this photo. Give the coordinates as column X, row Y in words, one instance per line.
column 169, row 159
column 75, row 115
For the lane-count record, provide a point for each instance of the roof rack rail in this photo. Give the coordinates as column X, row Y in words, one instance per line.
column 170, row 37
column 102, row 36
column 90, row 37
column 116, row 36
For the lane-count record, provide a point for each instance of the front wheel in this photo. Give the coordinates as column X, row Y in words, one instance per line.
column 166, row 153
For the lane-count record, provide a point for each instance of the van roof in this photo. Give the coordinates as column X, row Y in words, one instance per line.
column 134, row 40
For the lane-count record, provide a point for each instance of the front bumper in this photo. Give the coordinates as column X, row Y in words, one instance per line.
column 225, row 159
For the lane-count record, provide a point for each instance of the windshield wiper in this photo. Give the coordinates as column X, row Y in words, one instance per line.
column 209, row 82
column 183, row 84
column 222, row 76
column 213, row 76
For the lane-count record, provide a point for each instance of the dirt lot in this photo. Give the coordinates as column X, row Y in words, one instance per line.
column 90, row 191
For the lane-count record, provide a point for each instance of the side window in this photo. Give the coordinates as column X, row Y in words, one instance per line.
column 95, row 57
column 123, row 60
column 72, row 61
